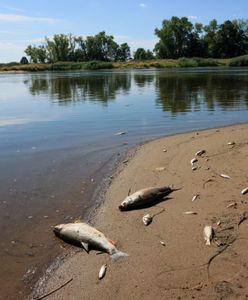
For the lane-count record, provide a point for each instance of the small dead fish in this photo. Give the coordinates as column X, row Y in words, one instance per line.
column 200, row 152
column 164, row 150
column 120, row 133
column 225, row 176
column 88, row 237
column 244, row 191
column 190, row 213
column 194, row 168
column 193, row 160
column 218, row 223
column 195, row 197
column 233, row 204
column 102, row 271
column 147, row 219
column 208, row 234
column 231, row 143
column 145, row 197
column 159, row 169
column 162, row 243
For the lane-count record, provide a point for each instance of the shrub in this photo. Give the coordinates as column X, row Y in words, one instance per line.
column 187, row 62
column 96, row 65
column 240, row 61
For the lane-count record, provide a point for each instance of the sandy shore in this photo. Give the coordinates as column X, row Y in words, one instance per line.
column 185, row 267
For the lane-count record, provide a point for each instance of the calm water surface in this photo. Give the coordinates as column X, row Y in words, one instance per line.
column 57, row 142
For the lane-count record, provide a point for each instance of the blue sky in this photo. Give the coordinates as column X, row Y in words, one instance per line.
column 26, row 22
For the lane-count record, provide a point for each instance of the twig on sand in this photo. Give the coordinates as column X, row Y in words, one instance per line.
column 55, row 290
column 209, row 180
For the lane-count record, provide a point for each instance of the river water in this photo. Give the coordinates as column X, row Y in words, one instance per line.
column 58, row 145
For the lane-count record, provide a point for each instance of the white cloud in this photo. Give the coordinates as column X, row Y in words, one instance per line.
column 21, row 18
column 143, row 5
column 192, row 17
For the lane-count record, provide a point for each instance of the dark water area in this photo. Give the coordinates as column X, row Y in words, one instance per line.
column 58, row 145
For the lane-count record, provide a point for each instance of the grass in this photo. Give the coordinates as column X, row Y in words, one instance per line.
column 132, row 64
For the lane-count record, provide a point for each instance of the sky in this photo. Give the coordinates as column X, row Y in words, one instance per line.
column 26, row 22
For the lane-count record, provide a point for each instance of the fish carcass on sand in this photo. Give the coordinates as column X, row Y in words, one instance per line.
column 145, row 197
column 88, row 237
column 208, row 234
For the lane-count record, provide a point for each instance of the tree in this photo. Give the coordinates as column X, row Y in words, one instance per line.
column 36, row 54
column 140, row 54
column 175, row 38
column 231, row 40
column 24, row 60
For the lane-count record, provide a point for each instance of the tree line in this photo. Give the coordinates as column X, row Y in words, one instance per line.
column 63, row 47
column 178, row 37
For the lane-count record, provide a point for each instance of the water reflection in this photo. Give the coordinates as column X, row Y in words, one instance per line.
column 175, row 91
column 182, row 92
column 67, row 89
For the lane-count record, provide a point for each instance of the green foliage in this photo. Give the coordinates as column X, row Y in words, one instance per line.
column 206, row 62
column 180, row 38
column 240, row 61
column 187, row 62
column 96, row 65
column 142, row 54
column 24, row 60
column 61, row 47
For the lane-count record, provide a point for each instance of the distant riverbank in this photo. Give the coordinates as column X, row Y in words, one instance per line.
column 132, row 64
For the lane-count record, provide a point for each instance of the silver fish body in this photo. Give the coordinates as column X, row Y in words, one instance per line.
column 102, row 271
column 145, row 197
column 244, row 191
column 88, row 237
column 208, row 234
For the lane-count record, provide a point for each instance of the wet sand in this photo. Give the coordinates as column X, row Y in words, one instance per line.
column 185, row 267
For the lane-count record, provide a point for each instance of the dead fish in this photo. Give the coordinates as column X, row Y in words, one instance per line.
column 88, row 237
column 194, row 168
column 200, row 152
column 162, row 243
column 195, row 197
column 190, row 213
column 244, row 191
column 208, row 234
column 147, row 219
column 102, row 271
column 193, row 160
column 225, row 176
column 231, row 143
column 233, row 204
column 145, row 197
column 120, row 133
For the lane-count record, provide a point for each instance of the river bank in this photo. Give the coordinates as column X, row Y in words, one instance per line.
column 132, row 64
column 184, row 267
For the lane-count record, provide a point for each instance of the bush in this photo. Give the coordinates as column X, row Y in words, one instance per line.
column 96, row 65
column 206, row 62
column 187, row 62
column 240, row 61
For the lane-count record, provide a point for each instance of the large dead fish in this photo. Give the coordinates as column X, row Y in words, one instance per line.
column 88, row 237
column 145, row 197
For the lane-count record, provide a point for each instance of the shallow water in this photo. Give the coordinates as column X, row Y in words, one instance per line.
column 58, row 142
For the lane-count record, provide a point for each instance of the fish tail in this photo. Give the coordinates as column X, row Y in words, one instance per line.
column 115, row 256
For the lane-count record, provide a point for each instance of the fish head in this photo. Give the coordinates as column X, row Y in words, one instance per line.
column 123, row 206
column 58, row 228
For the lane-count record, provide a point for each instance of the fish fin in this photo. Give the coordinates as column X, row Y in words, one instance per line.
column 85, row 246
column 112, row 242
column 115, row 256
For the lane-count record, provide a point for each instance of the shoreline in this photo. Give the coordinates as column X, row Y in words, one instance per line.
column 145, row 168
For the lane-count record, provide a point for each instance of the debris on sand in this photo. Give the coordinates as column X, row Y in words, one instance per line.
column 147, row 219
